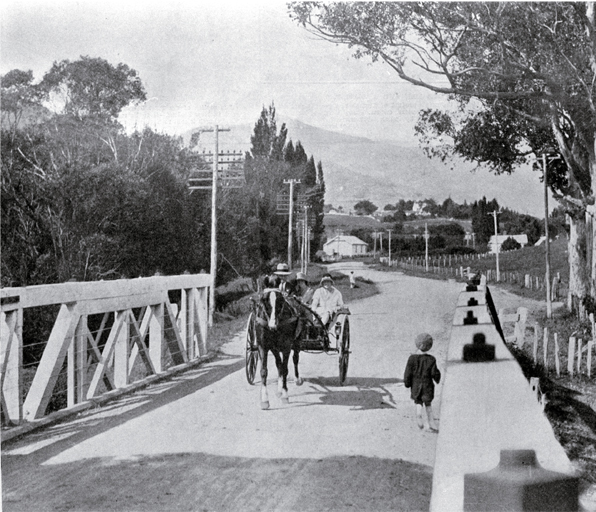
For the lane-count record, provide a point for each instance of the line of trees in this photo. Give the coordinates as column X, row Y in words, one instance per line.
column 83, row 200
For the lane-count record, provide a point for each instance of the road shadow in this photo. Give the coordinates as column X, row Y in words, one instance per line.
column 371, row 392
column 92, row 422
column 205, row 482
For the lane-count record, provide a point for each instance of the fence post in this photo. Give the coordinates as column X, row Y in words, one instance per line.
column 570, row 355
column 535, row 347
column 557, row 360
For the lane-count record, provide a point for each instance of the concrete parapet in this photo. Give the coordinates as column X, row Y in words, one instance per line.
column 486, row 407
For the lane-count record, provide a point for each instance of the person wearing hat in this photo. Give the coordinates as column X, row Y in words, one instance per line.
column 327, row 299
column 420, row 375
column 301, row 289
column 283, row 271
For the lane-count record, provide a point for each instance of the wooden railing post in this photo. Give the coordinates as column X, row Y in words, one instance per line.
column 121, row 349
column 190, row 319
column 203, row 316
column 183, row 318
column 11, row 346
column 77, row 364
column 156, row 337
column 50, row 365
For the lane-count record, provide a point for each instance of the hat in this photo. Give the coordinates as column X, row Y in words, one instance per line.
column 282, row 269
column 300, row 276
column 424, row 342
column 326, row 277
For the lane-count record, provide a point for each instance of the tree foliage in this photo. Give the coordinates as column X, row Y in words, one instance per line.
column 510, row 244
column 272, row 159
column 365, row 207
column 522, row 74
column 92, row 87
column 81, row 199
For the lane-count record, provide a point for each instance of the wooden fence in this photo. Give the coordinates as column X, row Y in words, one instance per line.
column 447, row 266
column 572, row 356
column 86, row 339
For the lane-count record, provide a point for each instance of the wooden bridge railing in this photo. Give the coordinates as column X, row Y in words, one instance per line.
column 96, row 337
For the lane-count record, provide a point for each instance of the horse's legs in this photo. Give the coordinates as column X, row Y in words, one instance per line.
column 296, row 359
column 281, row 360
column 264, row 395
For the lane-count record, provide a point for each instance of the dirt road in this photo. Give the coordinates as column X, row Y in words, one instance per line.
column 201, row 442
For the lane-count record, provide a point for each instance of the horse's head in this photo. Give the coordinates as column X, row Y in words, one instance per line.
column 275, row 302
column 272, row 308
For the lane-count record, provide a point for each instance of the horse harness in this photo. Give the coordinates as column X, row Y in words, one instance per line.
column 264, row 322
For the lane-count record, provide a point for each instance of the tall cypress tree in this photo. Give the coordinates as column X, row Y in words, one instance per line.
column 265, row 170
column 482, row 221
column 317, row 206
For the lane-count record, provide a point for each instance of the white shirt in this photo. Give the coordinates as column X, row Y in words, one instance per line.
column 323, row 300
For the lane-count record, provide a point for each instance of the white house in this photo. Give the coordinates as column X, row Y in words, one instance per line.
column 419, row 209
column 345, row 246
column 520, row 239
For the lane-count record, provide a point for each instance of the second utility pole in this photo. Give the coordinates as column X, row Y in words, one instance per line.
column 549, row 306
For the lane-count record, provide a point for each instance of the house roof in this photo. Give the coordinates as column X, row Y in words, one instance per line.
column 352, row 240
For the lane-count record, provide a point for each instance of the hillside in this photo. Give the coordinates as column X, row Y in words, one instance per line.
column 357, row 168
column 346, row 223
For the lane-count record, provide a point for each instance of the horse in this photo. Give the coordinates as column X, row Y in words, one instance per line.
column 276, row 333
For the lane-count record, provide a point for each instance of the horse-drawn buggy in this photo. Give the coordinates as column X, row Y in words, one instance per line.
column 281, row 323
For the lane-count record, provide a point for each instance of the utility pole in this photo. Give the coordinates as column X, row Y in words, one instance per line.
column 305, row 250
column 549, row 306
column 494, row 214
column 389, row 246
column 374, row 244
column 232, row 179
column 426, row 237
column 291, row 220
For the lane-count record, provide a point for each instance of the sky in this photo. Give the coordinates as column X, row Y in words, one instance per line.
column 220, row 62
column 216, row 62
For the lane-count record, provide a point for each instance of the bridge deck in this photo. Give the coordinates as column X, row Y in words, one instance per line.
column 201, row 442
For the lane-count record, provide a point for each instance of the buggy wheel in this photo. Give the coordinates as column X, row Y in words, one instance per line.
column 252, row 353
column 344, row 350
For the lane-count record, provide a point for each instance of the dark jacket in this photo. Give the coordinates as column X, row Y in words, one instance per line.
column 421, row 371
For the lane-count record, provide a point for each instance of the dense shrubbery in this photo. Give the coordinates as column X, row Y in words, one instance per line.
column 83, row 200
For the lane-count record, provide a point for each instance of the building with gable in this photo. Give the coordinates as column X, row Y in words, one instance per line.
column 345, row 245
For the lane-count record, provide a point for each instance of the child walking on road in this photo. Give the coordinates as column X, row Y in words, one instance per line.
column 420, row 375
